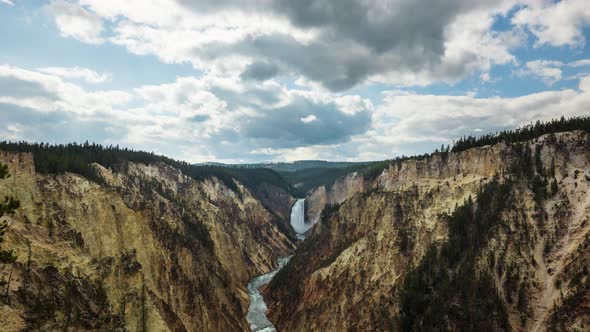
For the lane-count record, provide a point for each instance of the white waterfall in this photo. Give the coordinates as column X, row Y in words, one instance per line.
column 298, row 217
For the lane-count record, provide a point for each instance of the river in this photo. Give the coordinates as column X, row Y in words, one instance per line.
column 257, row 311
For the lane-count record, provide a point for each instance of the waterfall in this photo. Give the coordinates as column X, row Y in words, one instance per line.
column 298, row 217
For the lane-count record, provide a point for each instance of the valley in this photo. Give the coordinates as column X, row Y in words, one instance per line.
column 482, row 236
column 295, row 166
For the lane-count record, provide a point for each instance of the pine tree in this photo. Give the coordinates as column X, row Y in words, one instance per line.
column 8, row 206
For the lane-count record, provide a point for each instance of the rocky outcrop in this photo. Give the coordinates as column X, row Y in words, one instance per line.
column 527, row 245
column 342, row 189
column 276, row 199
column 151, row 249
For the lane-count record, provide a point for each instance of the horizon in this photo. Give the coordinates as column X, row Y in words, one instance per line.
column 448, row 148
column 205, row 82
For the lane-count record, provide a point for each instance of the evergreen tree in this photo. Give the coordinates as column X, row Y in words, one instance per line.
column 79, row 159
column 525, row 133
column 8, row 206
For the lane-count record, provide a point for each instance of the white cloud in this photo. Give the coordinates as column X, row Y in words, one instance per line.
column 74, row 21
column 546, row 70
column 309, row 118
column 580, row 63
column 7, row 2
column 555, row 23
column 85, row 74
column 211, row 118
column 448, row 40
column 585, row 84
column 411, row 123
column 48, row 93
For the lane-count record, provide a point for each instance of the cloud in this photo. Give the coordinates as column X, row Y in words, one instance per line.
column 85, row 74
column 226, row 119
column 309, row 118
column 11, row 86
column 402, row 42
column 393, row 42
column 253, row 115
column 223, row 117
column 260, row 71
column 550, row 71
column 283, row 127
column 580, row 63
column 7, row 2
column 555, row 23
column 441, row 119
column 280, row 79
column 76, row 22
column 546, row 70
column 48, row 93
column 20, row 123
column 585, row 84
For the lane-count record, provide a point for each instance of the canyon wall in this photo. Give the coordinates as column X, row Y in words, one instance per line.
column 398, row 254
column 151, row 249
column 339, row 191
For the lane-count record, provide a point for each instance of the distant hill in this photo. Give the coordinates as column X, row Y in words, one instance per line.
column 308, row 164
column 303, row 175
column 291, row 166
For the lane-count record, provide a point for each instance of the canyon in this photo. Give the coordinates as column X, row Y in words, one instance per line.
column 382, row 255
column 151, row 249
column 494, row 237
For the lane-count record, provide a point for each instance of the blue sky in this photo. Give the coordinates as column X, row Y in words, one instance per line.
column 244, row 81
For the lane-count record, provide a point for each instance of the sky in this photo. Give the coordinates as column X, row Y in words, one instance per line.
column 279, row 80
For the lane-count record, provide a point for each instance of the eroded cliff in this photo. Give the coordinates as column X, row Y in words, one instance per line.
column 151, row 249
column 494, row 238
column 336, row 193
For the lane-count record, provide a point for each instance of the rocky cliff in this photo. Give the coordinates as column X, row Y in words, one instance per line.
column 151, row 249
column 490, row 238
column 336, row 193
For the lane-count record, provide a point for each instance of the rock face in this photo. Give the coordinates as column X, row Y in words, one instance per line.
column 151, row 250
column 380, row 248
column 278, row 201
column 338, row 192
column 275, row 199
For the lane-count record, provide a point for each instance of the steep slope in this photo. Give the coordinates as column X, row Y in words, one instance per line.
column 342, row 188
column 493, row 237
column 151, row 249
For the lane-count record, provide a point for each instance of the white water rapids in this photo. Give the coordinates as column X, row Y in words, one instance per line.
column 257, row 310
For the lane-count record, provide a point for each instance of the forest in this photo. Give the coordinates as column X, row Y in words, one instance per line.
column 525, row 133
column 446, row 278
column 78, row 158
